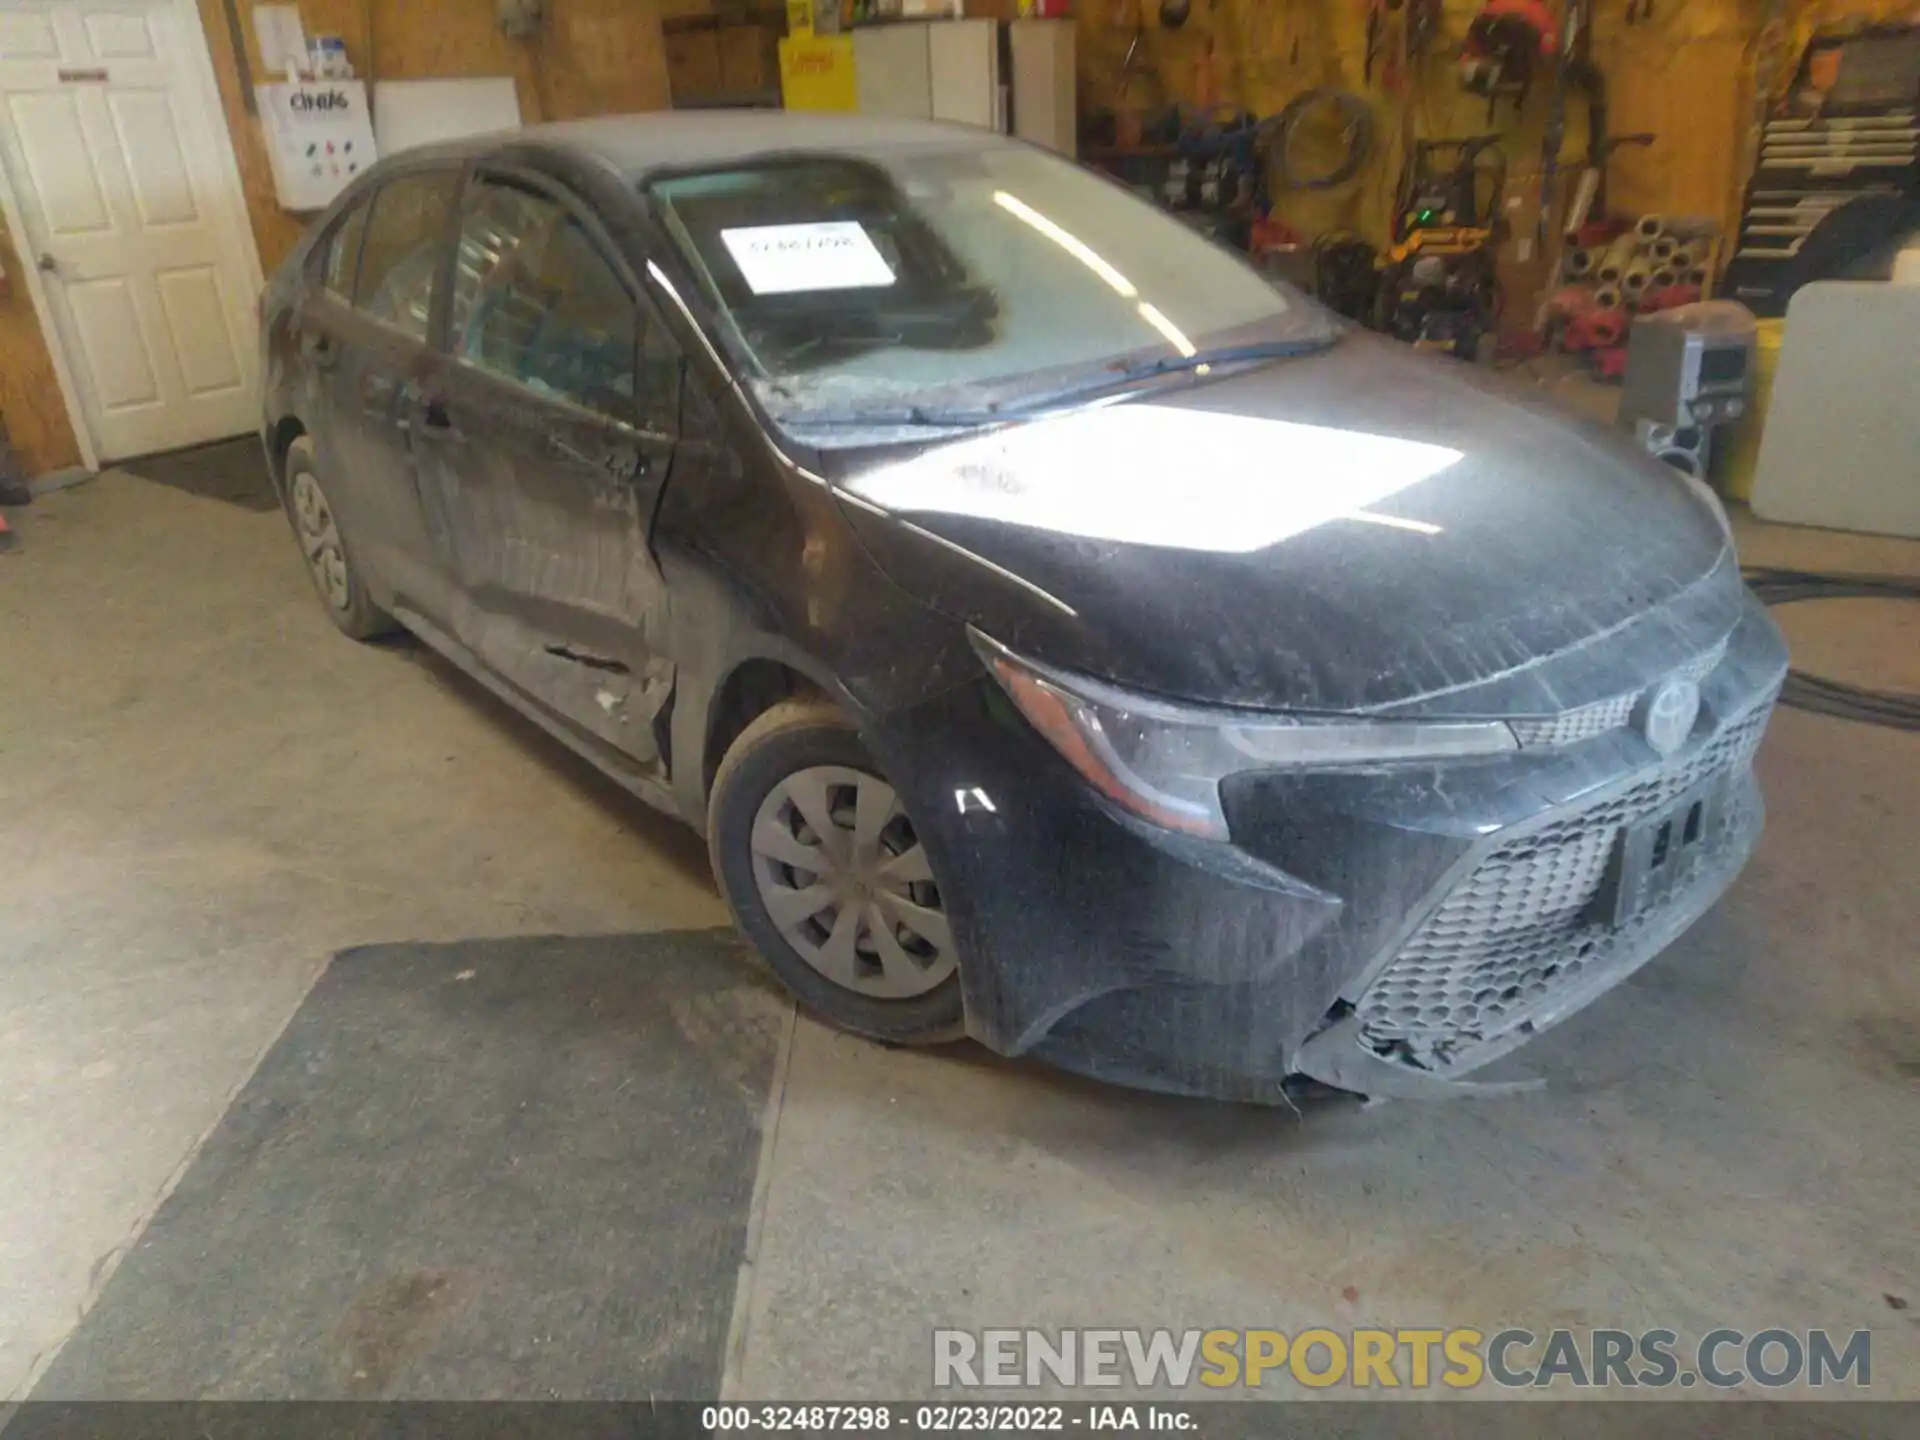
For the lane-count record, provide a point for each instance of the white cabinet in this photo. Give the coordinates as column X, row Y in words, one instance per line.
column 892, row 71
column 963, row 69
column 951, row 70
column 1044, row 83
column 943, row 70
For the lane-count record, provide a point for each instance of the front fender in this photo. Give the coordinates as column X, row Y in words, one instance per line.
column 761, row 565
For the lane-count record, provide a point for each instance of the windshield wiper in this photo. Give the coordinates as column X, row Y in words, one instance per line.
column 1235, row 354
column 1112, row 377
column 891, row 417
column 1118, row 377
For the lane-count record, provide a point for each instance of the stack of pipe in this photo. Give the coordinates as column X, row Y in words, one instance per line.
column 1596, row 329
column 1655, row 263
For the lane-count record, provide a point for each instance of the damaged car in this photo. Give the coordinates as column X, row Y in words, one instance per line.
column 1062, row 634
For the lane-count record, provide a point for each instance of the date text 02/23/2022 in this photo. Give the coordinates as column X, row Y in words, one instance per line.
column 949, row 1418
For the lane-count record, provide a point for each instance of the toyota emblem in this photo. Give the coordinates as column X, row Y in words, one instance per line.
column 1671, row 708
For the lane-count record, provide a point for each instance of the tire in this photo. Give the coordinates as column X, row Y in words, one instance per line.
column 324, row 549
column 863, row 940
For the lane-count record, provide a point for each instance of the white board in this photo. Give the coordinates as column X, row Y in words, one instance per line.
column 318, row 139
column 1842, row 443
column 418, row 112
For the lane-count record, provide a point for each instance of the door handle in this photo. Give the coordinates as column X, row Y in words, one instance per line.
column 437, row 423
column 321, row 350
column 47, row 263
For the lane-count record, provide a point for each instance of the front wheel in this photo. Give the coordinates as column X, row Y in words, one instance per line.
column 822, row 867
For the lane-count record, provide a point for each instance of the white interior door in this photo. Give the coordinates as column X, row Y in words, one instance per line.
column 124, row 188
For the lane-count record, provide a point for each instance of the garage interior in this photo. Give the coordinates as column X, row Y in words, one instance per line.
column 359, row 1041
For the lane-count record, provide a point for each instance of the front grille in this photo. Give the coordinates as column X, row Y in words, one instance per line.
column 1605, row 715
column 1572, row 725
column 1518, row 932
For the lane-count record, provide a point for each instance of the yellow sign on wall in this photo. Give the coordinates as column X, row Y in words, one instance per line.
column 816, row 73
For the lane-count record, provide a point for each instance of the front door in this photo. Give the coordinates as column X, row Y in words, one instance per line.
column 125, row 184
column 544, row 435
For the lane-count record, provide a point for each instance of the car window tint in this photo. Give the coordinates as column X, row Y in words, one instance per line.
column 402, row 248
column 343, row 252
column 535, row 301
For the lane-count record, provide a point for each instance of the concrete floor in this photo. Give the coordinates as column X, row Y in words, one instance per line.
column 204, row 792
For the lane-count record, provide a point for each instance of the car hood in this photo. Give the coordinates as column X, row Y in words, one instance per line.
column 1359, row 529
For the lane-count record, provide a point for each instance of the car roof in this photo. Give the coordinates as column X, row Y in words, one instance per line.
column 636, row 145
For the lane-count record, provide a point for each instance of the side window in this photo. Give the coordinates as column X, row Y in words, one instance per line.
column 536, row 302
column 343, row 252
column 401, row 252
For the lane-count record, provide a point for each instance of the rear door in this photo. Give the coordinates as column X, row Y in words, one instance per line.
column 321, row 314
column 545, row 432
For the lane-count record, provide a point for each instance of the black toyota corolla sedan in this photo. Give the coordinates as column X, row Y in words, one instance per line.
column 1063, row 635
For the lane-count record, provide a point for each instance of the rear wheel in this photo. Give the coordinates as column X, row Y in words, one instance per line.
column 820, row 862
column 325, row 550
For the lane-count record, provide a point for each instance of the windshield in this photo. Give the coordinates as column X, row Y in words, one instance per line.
column 956, row 279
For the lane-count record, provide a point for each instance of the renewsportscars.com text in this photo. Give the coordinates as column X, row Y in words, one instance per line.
column 1363, row 1359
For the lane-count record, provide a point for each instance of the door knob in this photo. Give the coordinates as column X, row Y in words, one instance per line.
column 49, row 264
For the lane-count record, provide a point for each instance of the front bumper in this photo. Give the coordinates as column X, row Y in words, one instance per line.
column 1386, row 930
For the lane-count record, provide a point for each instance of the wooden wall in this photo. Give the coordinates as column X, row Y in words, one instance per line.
column 1685, row 73
column 1680, row 74
column 30, row 400
column 593, row 57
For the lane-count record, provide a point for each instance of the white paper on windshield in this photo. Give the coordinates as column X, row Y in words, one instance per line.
column 828, row 255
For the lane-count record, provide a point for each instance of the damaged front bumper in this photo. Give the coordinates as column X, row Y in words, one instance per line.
column 1519, row 943
column 1386, row 930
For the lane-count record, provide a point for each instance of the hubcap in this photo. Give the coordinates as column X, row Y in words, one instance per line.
column 320, row 540
column 846, row 881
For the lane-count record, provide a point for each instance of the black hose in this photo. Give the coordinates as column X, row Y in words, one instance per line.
column 1834, row 697
column 1344, row 277
column 1276, row 136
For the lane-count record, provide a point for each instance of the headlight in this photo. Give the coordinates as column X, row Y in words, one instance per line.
column 1165, row 762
